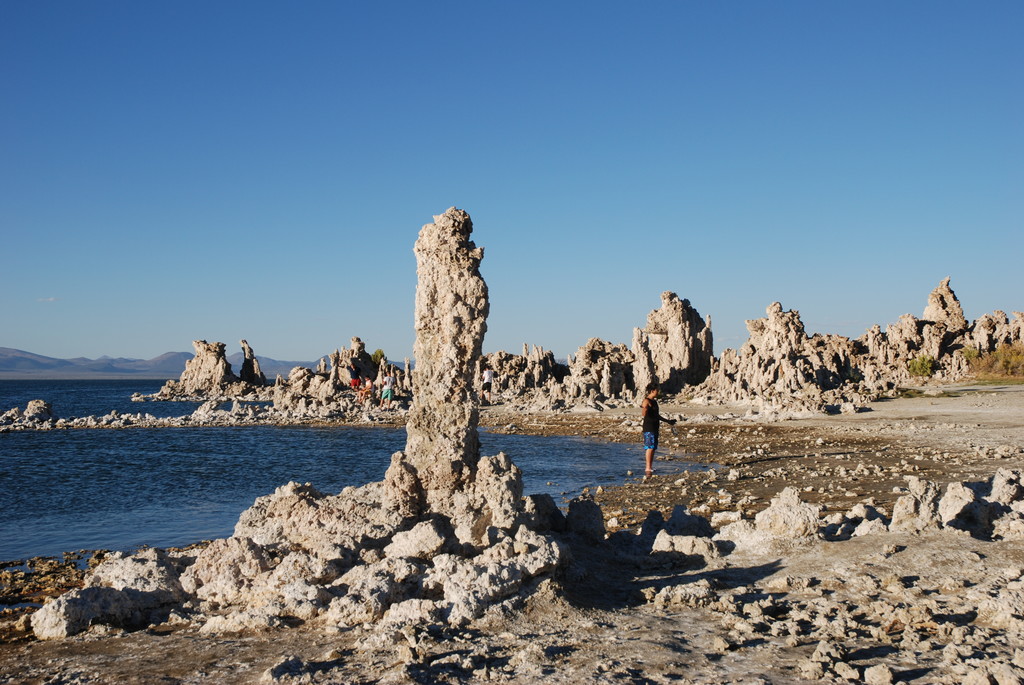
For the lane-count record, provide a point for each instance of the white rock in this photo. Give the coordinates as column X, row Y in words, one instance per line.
column 425, row 541
column 225, row 569
column 788, row 517
column 688, row 545
column 124, row 591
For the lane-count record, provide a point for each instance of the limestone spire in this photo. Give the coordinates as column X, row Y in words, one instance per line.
column 443, row 444
column 944, row 307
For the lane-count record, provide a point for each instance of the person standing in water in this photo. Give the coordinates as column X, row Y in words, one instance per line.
column 652, row 420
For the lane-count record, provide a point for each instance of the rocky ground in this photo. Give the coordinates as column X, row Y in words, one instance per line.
column 936, row 606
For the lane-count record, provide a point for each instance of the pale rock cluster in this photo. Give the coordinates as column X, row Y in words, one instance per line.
column 326, row 392
column 986, row 510
column 779, row 372
column 674, row 350
column 208, row 375
column 600, row 369
column 36, row 414
column 131, row 591
column 306, row 394
column 781, row 368
column 341, row 561
column 519, row 375
column 676, row 347
column 786, row 518
column 321, row 393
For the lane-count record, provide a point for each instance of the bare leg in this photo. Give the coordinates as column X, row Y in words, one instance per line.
column 649, row 457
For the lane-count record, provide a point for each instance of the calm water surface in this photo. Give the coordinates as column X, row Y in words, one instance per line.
column 117, row 489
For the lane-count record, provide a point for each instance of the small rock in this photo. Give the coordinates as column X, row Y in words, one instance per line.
column 879, row 674
column 720, row 645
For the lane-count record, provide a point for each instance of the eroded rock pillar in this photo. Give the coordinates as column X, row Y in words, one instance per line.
column 443, row 445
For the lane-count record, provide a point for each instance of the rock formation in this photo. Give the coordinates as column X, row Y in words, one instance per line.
column 208, row 371
column 306, row 394
column 780, row 370
column 441, row 472
column 781, row 367
column 944, row 308
column 360, row 358
column 518, row 375
column 942, row 333
column 250, row 372
column 208, row 375
column 326, row 393
column 992, row 330
column 450, row 320
column 675, row 347
column 600, row 369
column 38, row 414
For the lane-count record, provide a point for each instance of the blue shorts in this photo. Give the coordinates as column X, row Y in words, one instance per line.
column 650, row 441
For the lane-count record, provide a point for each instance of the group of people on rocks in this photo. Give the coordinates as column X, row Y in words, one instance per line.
column 365, row 389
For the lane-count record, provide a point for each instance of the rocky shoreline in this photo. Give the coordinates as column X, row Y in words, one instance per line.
column 938, row 604
column 779, row 373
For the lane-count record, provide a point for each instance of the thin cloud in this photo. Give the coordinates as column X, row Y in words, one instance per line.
column 47, row 299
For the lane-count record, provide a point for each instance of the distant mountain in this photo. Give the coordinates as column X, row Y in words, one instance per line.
column 18, row 364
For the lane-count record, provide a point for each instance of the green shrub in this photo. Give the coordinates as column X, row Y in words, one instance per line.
column 377, row 356
column 970, row 354
column 1005, row 361
column 922, row 366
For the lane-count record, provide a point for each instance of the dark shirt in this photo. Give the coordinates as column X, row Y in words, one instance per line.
column 652, row 417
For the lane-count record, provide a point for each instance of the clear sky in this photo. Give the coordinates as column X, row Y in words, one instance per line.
column 175, row 170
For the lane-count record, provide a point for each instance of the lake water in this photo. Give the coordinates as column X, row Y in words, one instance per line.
column 65, row 490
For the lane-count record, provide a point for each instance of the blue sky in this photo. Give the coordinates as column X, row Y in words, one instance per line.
column 179, row 170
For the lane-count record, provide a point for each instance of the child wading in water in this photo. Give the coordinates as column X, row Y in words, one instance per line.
column 652, row 420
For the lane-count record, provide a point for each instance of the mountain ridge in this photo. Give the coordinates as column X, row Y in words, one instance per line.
column 22, row 365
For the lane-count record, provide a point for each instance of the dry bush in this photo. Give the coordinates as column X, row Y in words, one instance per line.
column 1005, row 361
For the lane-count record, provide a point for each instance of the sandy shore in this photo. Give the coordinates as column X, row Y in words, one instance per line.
column 883, row 607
